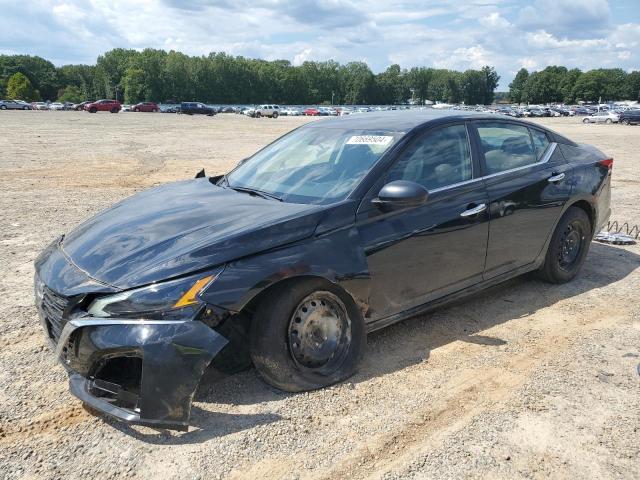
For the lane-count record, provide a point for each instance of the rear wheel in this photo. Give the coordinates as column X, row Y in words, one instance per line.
column 25, row 108
column 568, row 247
column 585, row 120
column 3, row 107
column 307, row 335
column 93, row 110
column 625, row 121
column 608, row 120
column 258, row 114
column 136, row 109
column 114, row 110
column 275, row 114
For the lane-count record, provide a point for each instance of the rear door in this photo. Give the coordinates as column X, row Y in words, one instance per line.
column 528, row 182
column 419, row 254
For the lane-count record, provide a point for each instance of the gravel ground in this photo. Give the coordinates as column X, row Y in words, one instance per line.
column 526, row 380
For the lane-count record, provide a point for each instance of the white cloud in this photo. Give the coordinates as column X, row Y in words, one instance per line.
column 444, row 33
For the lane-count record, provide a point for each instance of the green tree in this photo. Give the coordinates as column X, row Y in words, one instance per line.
column 516, row 87
column 134, row 85
column 19, row 87
column 491, row 79
column 632, row 86
column 71, row 93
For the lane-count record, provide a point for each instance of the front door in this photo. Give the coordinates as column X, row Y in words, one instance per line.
column 419, row 254
column 528, row 182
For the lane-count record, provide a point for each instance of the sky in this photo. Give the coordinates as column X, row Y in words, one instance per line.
column 454, row 34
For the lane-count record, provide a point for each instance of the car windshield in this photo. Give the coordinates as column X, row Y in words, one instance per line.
column 313, row 165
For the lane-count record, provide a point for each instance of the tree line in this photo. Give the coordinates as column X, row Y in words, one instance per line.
column 560, row 85
column 156, row 75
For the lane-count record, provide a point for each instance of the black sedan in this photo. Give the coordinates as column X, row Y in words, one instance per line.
column 338, row 228
column 630, row 117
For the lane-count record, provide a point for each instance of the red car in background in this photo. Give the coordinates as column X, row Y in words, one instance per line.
column 146, row 107
column 112, row 106
column 313, row 112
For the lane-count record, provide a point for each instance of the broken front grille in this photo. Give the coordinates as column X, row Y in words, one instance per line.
column 53, row 307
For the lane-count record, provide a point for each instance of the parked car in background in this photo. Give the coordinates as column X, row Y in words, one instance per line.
column 80, row 106
column 630, row 117
column 311, row 111
column 290, row 111
column 602, row 117
column 56, row 106
column 227, row 109
column 271, row 111
column 104, row 105
column 196, row 108
column 40, row 106
column 337, row 229
column 14, row 105
column 145, row 107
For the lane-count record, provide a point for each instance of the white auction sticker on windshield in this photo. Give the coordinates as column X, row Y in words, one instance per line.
column 370, row 140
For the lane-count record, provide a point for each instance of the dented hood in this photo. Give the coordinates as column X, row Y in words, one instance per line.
column 182, row 227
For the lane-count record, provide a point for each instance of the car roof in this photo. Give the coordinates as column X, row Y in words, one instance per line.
column 399, row 120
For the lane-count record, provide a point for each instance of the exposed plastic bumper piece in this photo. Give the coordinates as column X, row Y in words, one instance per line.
column 174, row 353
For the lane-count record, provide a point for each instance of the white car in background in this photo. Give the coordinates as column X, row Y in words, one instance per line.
column 602, row 117
column 56, row 106
column 40, row 106
column 290, row 111
column 272, row 111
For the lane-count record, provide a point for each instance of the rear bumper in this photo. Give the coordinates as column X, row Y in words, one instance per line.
column 142, row 372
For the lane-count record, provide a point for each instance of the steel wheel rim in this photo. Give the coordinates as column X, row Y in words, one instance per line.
column 570, row 245
column 319, row 333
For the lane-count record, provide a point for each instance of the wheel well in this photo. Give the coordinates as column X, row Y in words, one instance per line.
column 250, row 307
column 588, row 209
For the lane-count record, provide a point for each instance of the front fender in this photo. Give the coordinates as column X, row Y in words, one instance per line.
column 336, row 256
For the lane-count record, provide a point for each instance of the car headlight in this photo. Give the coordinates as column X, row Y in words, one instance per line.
column 153, row 301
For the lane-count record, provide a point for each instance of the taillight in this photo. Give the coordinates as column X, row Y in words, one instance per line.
column 607, row 162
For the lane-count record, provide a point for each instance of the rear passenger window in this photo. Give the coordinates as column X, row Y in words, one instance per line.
column 437, row 159
column 540, row 141
column 506, row 146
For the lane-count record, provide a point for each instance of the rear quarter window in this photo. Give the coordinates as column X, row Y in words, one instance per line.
column 540, row 141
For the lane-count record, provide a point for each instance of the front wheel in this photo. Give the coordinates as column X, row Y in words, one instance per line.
column 568, row 247
column 585, row 120
column 275, row 114
column 3, row 107
column 608, row 121
column 93, row 110
column 625, row 122
column 307, row 335
column 114, row 110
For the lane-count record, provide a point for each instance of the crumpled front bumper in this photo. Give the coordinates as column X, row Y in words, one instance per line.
column 172, row 354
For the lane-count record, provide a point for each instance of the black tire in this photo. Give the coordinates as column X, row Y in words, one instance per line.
column 3, row 107
column 585, row 120
column 136, row 110
column 625, row 121
column 608, row 120
column 258, row 114
column 114, row 110
column 155, row 110
column 568, row 247
column 275, row 343
column 93, row 110
column 25, row 108
column 275, row 114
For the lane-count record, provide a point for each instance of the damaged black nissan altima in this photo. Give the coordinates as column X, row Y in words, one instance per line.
column 338, row 228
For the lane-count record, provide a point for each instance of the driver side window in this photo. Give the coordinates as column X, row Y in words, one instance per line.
column 437, row 159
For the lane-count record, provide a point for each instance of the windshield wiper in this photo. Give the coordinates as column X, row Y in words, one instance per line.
column 253, row 191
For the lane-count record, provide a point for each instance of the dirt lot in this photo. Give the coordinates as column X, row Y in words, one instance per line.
column 527, row 380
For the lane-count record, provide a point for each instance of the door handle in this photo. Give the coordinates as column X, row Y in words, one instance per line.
column 556, row 177
column 474, row 211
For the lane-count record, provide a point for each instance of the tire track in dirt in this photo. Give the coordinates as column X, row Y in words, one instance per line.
column 466, row 395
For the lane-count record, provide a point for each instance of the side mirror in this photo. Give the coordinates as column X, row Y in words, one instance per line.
column 400, row 194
